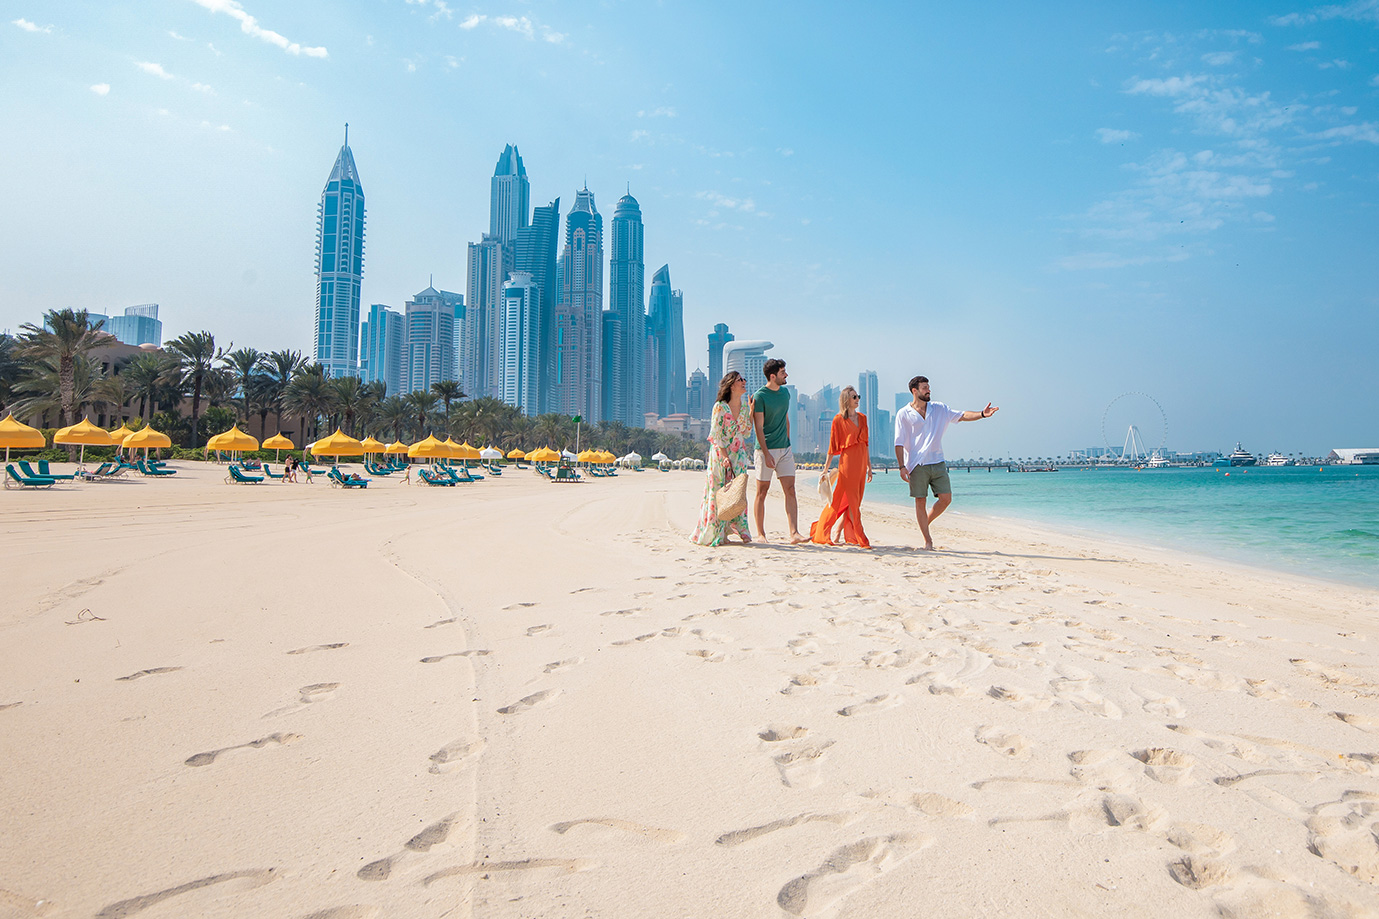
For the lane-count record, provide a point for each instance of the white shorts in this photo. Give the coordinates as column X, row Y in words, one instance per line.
column 785, row 465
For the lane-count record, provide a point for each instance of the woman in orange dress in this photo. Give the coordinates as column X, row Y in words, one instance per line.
column 847, row 440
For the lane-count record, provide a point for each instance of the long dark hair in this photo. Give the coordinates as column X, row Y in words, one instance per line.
column 725, row 385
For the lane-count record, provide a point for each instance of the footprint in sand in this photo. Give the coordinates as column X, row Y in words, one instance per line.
column 801, row 768
column 486, row 868
column 845, row 870
column 936, row 805
column 1207, row 679
column 307, row 695
column 1023, row 701
column 330, row 647
column 440, row 657
column 801, row 682
column 143, row 673
column 630, row 611
column 1346, row 833
column 1133, row 813
column 1363, row 722
column 626, row 826
column 1168, row 767
column 238, row 881
column 522, row 605
column 205, row 759
column 940, row 685
column 431, row 836
column 1198, row 872
column 776, row 733
column 1158, row 704
column 566, row 664
column 528, row 702
column 438, row 624
column 454, row 755
column 353, row 911
column 1003, row 741
column 1200, row 839
column 1228, row 745
column 1108, row 770
column 708, row 655
column 738, row 837
column 874, row 704
column 538, row 629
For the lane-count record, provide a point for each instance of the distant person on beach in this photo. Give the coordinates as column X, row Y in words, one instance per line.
column 771, row 422
column 847, row 440
column 919, row 429
column 728, row 432
column 290, row 470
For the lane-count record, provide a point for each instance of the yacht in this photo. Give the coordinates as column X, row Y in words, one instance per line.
column 1277, row 459
column 1239, row 457
column 1157, row 461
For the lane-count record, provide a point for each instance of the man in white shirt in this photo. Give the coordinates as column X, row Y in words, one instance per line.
column 919, row 429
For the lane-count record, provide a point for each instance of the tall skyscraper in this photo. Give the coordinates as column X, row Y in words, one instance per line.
column 698, row 396
column 867, row 391
column 430, row 345
column 520, row 368
column 509, row 197
column 748, row 358
column 626, row 278
column 615, row 397
column 139, row 325
column 380, row 348
column 719, row 337
column 535, row 253
column 489, row 264
column 339, row 266
column 665, row 316
column 579, row 314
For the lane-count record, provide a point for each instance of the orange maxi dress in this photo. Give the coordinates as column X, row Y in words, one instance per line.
column 847, row 440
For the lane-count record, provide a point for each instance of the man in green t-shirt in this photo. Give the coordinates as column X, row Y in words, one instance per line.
column 771, row 419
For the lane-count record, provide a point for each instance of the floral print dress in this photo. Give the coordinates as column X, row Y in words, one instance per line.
column 728, row 434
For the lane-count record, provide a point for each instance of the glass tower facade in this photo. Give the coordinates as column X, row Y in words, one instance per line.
column 719, row 337
column 520, row 363
column 535, row 253
column 509, row 197
column 489, row 264
column 381, row 341
column 577, row 388
column 339, row 267
column 666, row 319
column 624, row 379
column 430, row 343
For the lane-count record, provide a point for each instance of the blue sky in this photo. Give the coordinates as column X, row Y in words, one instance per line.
column 1044, row 206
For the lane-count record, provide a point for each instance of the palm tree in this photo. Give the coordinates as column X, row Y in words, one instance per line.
column 281, row 367
column 448, row 390
column 243, row 362
column 423, row 406
column 65, row 336
column 196, row 353
column 395, row 412
column 348, row 397
column 11, row 368
column 150, row 376
column 262, row 390
column 41, row 391
column 114, row 390
column 308, row 397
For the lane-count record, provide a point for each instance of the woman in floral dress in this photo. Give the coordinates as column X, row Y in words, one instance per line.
column 728, row 433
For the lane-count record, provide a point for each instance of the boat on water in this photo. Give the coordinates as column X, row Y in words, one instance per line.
column 1238, row 457
column 1157, row 461
column 1277, row 459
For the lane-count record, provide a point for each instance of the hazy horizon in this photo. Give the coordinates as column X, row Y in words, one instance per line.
column 1043, row 208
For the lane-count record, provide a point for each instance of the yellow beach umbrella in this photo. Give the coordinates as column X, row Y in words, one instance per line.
column 337, row 445
column 371, row 445
column 233, row 441
column 20, row 436
column 453, row 450
column 277, row 443
column 516, row 454
column 430, row 448
column 465, row 451
column 396, row 446
column 117, row 436
column 84, row 433
column 147, row 439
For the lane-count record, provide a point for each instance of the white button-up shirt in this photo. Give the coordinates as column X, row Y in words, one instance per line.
column 922, row 435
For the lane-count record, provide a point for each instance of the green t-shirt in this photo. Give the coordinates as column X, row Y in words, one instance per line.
column 775, row 425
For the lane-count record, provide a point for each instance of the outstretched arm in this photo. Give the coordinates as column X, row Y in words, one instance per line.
column 984, row 413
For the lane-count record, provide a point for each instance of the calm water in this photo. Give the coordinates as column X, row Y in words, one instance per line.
column 1319, row 522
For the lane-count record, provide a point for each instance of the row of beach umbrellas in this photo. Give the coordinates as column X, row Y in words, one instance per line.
column 15, row 435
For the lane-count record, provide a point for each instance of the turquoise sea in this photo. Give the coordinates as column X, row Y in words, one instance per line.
column 1318, row 521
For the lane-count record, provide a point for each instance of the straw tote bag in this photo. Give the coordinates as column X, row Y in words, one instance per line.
column 731, row 499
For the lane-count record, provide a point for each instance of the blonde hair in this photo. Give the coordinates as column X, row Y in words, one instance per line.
column 845, row 402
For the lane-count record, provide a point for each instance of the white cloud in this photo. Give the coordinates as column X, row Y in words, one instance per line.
column 179, row 37
column 1357, row 11
column 746, row 205
column 1114, row 136
column 203, row 88
column 442, row 8
column 154, row 69
column 1374, row 80
column 1091, row 261
column 519, row 24
column 1305, row 46
column 1172, row 86
column 785, row 151
column 224, row 128
column 639, row 134
column 1219, row 58
column 1337, row 64
column 661, row 111
column 101, row 89
column 1367, row 132
column 31, row 26
column 451, row 61
column 250, row 26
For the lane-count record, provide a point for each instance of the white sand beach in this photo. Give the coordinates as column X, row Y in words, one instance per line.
column 518, row 699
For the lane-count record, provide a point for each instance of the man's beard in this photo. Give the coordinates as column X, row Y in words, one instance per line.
column 924, row 398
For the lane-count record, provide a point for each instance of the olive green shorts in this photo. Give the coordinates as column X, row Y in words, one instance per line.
column 930, row 476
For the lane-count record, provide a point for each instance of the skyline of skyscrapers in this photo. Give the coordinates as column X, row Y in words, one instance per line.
column 867, row 393
column 665, row 322
column 509, row 197
column 339, row 266
column 625, row 375
column 429, row 321
column 489, row 263
column 520, row 369
column 381, row 339
column 719, row 337
column 577, row 389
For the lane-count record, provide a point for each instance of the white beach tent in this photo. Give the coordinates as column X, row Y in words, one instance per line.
column 489, row 453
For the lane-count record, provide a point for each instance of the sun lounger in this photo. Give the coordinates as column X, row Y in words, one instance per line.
column 567, row 474
column 340, row 480
column 26, row 481
column 238, row 476
column 45, row 473
column 150, row 470
column 103, row 471
column 268, row 471
column 431, row 479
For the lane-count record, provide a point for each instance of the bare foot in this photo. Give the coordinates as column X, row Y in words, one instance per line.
column 928, row 547
column 796, row 539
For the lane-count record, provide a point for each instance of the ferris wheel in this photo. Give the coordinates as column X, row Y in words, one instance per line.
column 1143, row 421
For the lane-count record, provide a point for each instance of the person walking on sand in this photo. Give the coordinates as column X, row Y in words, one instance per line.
column 847, row 440
column 728, row 432
column 919, row 429
column 771, row 423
